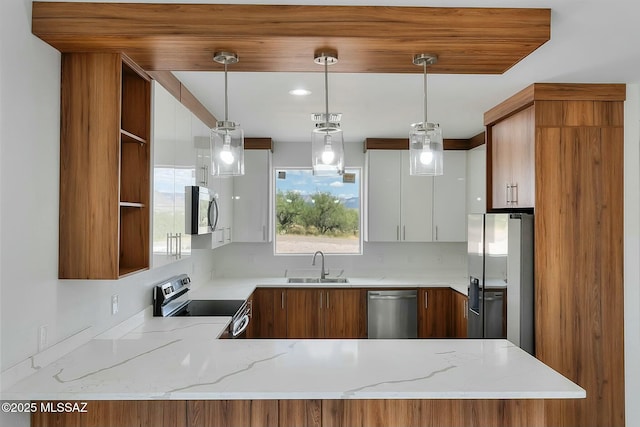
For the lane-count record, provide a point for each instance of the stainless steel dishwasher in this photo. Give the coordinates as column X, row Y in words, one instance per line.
column 392, row 314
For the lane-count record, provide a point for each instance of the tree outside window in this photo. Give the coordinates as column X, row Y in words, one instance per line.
column 317, row 213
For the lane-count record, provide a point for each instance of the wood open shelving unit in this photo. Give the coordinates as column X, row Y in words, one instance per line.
column 105, row 167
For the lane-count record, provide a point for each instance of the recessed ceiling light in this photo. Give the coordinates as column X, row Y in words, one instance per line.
column 299, row 92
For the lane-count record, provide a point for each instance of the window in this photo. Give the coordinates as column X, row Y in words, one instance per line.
column 317, row 213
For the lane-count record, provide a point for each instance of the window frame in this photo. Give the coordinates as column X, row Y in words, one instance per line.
column 274, row 192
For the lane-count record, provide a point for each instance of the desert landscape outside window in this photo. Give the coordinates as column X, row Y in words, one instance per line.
column 317, row 213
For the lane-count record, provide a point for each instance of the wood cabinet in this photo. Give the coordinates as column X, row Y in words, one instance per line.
column 511, row 147
column 579, row 235
column 305, row 313
column 458, row 315
column 269, row 314
column 326, row 313
column 308, row 313
column 308, row 413
column 252, row 198
column 104, row 167
column 450, row 199
column 399, row 206
column 345, row 313
column 434, row 312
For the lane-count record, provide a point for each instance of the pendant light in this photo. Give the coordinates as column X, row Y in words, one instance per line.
column 227, row 139
column 327, row 144
column 425, row 139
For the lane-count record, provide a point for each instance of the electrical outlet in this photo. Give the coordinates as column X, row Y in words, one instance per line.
column 42, row 337
column 114, row 304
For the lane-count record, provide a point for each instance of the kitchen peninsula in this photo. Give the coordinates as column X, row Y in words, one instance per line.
column 173, row 371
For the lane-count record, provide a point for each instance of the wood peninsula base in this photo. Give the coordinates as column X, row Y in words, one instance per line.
column 295, row 413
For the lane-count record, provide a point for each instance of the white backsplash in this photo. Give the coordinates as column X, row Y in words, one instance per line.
column 378, row 259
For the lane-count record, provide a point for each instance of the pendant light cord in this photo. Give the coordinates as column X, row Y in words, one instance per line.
column 425, row 93
column 226, row 97
column 326, row 89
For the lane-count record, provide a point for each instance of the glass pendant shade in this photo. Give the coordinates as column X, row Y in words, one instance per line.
column 426, row 151
column 227, row 139
column 327, row 152
column 227, row 151
column 327, row 142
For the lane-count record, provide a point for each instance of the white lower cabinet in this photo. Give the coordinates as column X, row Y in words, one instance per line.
column 252, row 199
column 398, row 205
column 450, row 199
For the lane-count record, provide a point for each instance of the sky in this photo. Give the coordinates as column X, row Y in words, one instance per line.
column 303, row 182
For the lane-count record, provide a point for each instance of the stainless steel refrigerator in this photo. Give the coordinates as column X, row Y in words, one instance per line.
column 500, row 260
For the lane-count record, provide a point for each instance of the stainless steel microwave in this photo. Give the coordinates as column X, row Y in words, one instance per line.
column 201, row 210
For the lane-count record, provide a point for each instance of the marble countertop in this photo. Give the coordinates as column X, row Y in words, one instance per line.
column 242, row 287
column 181, row 359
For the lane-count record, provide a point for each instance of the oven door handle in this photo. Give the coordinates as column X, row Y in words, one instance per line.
column 240, row 326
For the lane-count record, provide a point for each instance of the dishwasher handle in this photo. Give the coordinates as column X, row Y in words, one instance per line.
column 378, row 296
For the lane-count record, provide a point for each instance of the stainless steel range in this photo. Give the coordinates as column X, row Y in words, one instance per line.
column 170, row 300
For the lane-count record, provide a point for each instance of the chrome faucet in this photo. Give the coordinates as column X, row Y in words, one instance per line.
column 323, row 273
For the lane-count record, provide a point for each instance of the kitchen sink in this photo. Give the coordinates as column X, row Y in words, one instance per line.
column 335, row 280
column 316, row 280
column 302, row 280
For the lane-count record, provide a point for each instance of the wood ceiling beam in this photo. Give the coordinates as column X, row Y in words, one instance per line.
column 403, row 143
column 284, row 38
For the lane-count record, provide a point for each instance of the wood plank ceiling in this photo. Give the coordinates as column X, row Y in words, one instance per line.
column 369, row 39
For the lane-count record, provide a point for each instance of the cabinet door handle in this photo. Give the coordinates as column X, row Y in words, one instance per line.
column 397, row 232
column 229, row 235
column 507, row 194
column 514, row 187
column 320, row 300
column 221, row 238
column 436, row 232
column 282, row 299
column 168, row 243
column 426, row 300
column 404, row 232
column 179, row 245
column 205, row 172
column 264, row 234
column 327, row 299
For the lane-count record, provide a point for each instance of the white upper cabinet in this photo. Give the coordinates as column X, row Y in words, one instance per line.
column 220, row 187
column 477, row 179
column 383, row 196
column 252, row 198
column 450, row 198
column 417, row 199
column 174, row 162
column 398, row 205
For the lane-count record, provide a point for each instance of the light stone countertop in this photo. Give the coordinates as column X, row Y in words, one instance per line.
column 181, row 358
column 184, row 361
column 242, row 287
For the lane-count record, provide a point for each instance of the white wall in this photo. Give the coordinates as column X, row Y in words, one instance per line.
column 30, row 293
column 425, row 259
column 632, row 254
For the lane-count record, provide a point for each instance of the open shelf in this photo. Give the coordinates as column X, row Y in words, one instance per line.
column 128, row 137
column 131, row 205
